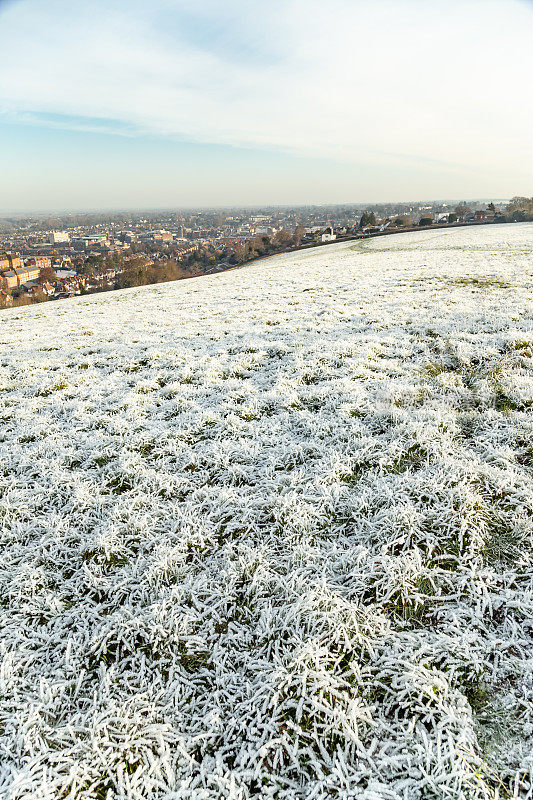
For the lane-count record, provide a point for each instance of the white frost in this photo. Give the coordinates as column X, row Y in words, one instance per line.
column 268, row 533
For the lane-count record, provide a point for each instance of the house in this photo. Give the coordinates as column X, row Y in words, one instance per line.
column 328, row 235
column 484, row 216
column 48, row 289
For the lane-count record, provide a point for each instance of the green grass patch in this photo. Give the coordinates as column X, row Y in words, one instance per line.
column 481, row 282
column 56, row 387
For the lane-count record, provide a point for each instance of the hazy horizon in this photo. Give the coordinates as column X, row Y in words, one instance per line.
column 61, row 212
column 123, row 106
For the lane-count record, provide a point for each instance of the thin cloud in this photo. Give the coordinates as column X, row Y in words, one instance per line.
column 352, row 81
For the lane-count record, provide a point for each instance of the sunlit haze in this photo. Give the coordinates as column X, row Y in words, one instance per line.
column 168, row 103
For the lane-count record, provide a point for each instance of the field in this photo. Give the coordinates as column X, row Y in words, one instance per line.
column 269, row 533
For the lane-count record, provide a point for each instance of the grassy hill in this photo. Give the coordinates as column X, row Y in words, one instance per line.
column 269, row 533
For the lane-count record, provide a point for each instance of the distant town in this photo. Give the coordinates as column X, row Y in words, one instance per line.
column 50, row 258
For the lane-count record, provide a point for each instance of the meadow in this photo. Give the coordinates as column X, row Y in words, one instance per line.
column 268, row 534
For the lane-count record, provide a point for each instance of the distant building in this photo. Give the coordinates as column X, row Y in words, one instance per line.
column 48, row 288
column 328, row 235
column 58, row 237
column 484, row 216
column 11, row 261
column 265, row 230
column 9, row 279
column 82, row 243
column 12, row 271
column 39, row 262
column 27, row 274
column 13, row 278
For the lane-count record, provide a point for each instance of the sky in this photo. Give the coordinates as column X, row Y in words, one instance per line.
column 129, row 104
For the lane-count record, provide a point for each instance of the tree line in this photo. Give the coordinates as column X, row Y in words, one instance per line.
column 139, row 272
column 520, row 209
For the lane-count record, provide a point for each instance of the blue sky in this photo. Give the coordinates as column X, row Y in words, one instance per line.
column 129, row 104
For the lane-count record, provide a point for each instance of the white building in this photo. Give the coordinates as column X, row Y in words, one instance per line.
column 265, row 230
column 328, row 235
column 58, row 237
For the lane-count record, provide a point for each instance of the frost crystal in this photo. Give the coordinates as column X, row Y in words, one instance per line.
column 268, row 533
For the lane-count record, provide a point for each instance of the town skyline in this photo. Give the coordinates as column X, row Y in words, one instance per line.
column 55, row 256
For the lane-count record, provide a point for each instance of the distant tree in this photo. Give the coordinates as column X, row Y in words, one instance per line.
column 139, row 273
column 240, row 254
column 403, row 221
column 452, row 217
column 367, row 218
column 39, row 295
column 299, row 234
column 282, row 238
column 426, row 221
column 462, row 210
column 492, row 208
column 520, row 209
column 261, row 245
column 21, row 299
column 116, row 259
column 46, row 275
column 93, row 264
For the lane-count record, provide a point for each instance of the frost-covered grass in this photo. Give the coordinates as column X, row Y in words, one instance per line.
column 268, row 533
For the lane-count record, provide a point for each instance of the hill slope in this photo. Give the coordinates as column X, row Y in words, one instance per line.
column 268, row 534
